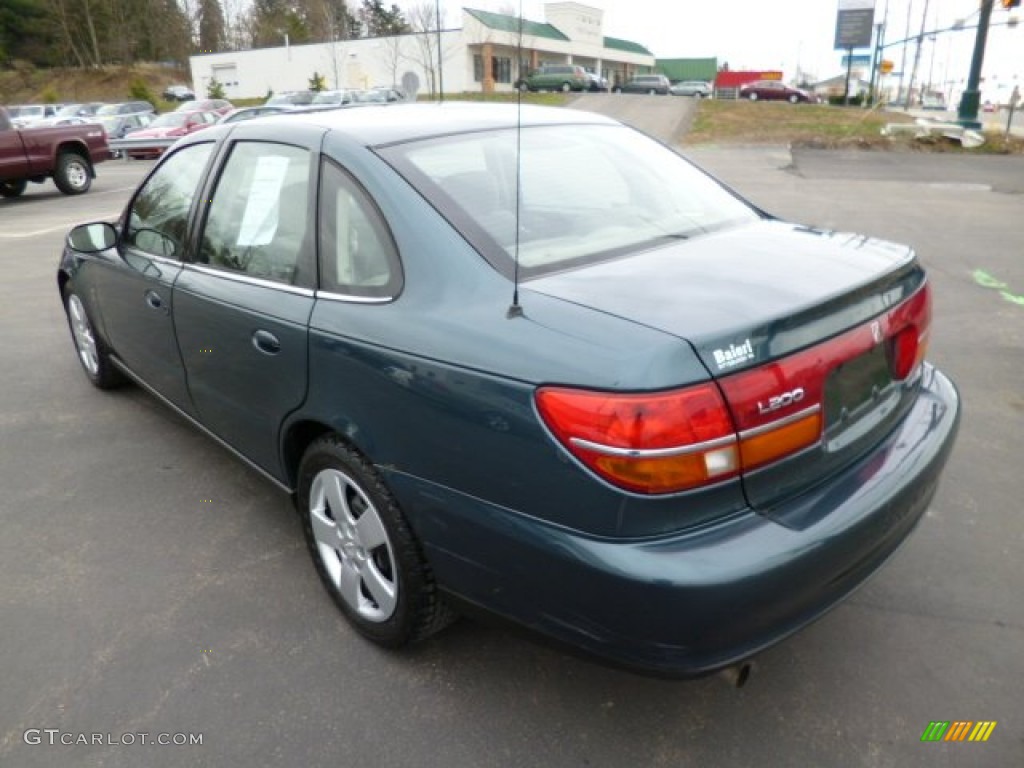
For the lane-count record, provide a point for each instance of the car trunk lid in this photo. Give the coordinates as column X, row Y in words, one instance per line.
column 812, row 335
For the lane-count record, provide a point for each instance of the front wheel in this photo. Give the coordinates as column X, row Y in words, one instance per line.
column 92, row 352
column 566, row 87
column 752, row 96
column 12, row 188
column 363, row 548
column 793, row 98
column 73, row 174
column 523, row 87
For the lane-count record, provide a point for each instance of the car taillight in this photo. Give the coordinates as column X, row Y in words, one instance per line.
column 911, row 323
column 648, row 443
column 666, row 442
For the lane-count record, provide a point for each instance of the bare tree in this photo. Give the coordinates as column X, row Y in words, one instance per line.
column 425, row 22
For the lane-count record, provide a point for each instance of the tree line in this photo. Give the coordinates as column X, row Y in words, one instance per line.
column 94, row 33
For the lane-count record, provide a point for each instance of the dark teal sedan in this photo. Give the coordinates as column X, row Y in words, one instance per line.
column 532, row 364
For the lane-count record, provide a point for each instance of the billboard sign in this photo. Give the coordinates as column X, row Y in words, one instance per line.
column 855, row 22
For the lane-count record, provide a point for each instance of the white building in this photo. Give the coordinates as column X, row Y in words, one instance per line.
column 483, row 55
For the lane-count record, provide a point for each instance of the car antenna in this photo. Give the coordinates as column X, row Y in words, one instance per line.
column 515, row 309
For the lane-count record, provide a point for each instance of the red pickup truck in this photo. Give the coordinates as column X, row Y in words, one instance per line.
column 65, row 153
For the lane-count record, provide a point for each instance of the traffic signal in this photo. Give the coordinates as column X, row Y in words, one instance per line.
column 1008, row 4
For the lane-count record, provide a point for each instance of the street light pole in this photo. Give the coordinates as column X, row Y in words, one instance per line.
column 967, row 114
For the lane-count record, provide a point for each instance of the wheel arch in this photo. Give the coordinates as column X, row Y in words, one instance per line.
column 75, row 148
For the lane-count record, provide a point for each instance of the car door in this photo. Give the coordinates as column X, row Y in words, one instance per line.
column 134, row 289
column 242, row 304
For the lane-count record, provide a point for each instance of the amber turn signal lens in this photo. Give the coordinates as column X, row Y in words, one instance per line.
column 774, row 444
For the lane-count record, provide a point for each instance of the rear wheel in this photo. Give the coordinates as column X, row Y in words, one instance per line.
column 566, row 87
column 793, row 98
column 753, row 96
column 651, row 92
column 12, row 188
column 524, row 87
column 363, row 548
column 73, row 174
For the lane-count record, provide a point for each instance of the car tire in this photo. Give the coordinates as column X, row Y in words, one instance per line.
column 93, row 353
column 793, row 98
column 752, row 96
column 566, row 87
column 363, row 548
column 523, row 87
column 72, row 173
column 12, row 188
column 617, row 89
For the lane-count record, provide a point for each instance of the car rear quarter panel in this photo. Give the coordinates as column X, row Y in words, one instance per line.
column 438, row 384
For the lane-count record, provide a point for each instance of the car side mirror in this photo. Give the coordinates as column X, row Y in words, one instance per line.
column 92, row 238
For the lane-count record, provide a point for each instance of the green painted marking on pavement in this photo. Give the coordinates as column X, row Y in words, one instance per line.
column 985, row 280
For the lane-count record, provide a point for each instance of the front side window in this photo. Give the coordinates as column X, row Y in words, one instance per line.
column 586, row 193
column 158, row 219
column 357, row 255
column 258, row 220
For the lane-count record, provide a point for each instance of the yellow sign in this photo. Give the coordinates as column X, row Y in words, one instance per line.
column 885, row 67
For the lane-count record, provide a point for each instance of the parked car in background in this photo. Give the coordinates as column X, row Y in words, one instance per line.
column 378, row 96
column 775, row 90
column 220, row 106
column 597, row 84
column 178, row 93
column 65, row 153
column 119, row 126
column 933, row 101
column 336, row 98
column 126, row 108
column 73, row 113
column 248, row 113
column 561, row 77
column 23, row 115
column 698, row 429
column 651, row 84
column 169, row 125
column 293, row 98
column 698, row 89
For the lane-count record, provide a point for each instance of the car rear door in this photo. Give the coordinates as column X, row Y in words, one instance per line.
column 242, row 305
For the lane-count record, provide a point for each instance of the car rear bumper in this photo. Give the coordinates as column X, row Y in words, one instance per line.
column 689, row 603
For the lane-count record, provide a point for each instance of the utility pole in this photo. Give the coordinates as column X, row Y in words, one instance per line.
column 917, row 55
column 903, row 59
column 968, row 111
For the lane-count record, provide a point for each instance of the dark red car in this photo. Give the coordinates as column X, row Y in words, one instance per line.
column 169, row 125
column 775, row 90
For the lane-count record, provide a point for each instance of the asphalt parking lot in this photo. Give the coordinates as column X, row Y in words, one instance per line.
column 150, row 583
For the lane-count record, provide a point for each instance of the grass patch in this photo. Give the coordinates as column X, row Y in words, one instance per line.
column 822, row 126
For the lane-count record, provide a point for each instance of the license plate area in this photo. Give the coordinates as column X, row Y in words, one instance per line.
column 859, row 395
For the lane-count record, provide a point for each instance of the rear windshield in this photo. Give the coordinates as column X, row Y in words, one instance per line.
column 588, row 193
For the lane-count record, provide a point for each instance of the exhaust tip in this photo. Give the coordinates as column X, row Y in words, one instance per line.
column 736, row 676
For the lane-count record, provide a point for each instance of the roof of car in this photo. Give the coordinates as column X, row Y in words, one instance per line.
column 388, row 124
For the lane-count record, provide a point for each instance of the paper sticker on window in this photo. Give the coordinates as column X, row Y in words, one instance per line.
column 259, row 222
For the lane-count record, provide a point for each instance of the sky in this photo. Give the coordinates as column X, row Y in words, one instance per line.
column 787, row 34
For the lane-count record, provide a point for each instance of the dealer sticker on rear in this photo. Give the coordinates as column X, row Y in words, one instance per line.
column 733, row 355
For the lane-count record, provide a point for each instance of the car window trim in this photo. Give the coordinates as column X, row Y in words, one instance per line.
column 249, row 279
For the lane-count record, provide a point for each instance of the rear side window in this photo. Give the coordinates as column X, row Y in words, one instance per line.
column 357, row 254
